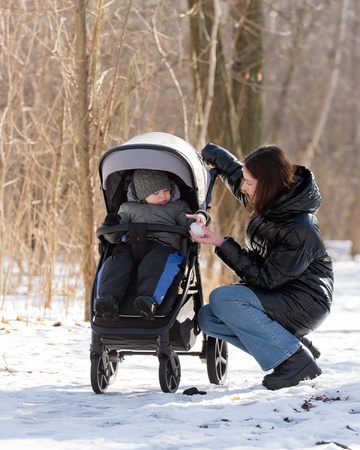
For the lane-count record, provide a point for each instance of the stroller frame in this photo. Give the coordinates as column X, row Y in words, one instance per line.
column 174, row 330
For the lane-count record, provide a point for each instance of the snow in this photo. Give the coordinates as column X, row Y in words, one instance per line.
column 47, row 401
column 196, row 228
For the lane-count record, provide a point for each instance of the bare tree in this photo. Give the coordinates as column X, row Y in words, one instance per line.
column 354, row 133
column 235, row 96
column 300, row 17
column 248, row 71
column 83, row 148
column 333, row 83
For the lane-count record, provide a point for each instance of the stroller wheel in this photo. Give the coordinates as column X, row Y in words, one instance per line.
column 103, row 372
column 216, row 360
column 169, row 372
column 114, row 367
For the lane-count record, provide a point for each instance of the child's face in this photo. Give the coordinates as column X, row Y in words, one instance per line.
column 159, row 197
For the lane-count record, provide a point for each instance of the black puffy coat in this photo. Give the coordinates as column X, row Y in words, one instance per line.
column 285, row 263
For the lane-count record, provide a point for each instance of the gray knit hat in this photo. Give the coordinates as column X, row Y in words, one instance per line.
column 147, row 182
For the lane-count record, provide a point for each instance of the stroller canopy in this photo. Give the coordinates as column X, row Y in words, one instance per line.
column 160, row 151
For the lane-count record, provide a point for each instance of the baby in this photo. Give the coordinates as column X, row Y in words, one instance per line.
column 155, row 199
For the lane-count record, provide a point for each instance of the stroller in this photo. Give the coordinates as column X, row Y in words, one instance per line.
column 174, row 330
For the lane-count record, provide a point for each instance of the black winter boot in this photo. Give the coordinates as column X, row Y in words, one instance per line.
column 146, row 306
column 314, row 350
column 107, row 307
column 300, row 366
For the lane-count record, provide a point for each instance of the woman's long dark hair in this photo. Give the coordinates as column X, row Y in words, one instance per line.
column 274, row 172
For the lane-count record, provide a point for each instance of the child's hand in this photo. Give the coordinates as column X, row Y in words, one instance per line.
column 199, row 218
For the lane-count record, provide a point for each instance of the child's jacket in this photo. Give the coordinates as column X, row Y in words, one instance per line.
column 173, row 213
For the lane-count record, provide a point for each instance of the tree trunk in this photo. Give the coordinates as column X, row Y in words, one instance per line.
column 333, row 83
column 247, row 72
column 221, row 125
column 83, row 151
column 225, row 124
column 354, row 137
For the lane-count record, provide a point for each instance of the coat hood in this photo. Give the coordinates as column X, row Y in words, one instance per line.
column 304, row 196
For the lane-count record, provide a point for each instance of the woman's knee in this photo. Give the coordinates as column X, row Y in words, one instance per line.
column 203, row 316
column 217, row 295
column 221, row 297
column 225, row 300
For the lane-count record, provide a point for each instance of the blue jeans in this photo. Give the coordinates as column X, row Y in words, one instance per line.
column 236, row 315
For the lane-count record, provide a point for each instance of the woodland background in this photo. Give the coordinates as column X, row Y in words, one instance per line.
column 79, row 77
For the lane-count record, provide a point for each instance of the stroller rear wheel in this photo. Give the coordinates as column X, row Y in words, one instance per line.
column 216, row 360
column 103, row 372
column 169, row 372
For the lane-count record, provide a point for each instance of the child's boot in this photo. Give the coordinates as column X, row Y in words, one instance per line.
column 146, row 306
column 107, row 307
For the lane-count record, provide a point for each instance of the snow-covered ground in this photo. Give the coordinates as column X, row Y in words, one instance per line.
column 47, row 401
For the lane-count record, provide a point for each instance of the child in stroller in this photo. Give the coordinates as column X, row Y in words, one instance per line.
column 174, row 330
column 152, row 197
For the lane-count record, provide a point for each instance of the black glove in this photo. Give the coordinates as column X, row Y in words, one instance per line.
column 193, row 391
column 111, row 219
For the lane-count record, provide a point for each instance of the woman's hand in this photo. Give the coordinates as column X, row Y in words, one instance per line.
column 209, row 238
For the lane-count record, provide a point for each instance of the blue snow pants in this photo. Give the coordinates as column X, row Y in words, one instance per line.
column 154, row 274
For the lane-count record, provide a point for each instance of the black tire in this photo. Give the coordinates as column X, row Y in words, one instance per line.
column 216, row 360
column 169, row 376
column 101, row 375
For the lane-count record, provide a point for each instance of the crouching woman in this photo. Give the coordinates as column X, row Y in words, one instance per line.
column 286, row 276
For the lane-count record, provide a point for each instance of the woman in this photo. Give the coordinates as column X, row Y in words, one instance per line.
column 286, row 277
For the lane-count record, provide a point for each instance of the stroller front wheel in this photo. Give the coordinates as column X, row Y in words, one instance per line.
column 169, row 372
column 103, row 372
